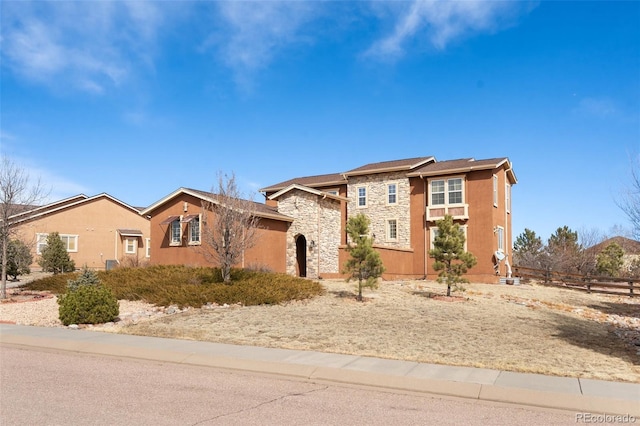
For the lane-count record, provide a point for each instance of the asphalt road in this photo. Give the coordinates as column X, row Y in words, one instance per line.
column 62, row 388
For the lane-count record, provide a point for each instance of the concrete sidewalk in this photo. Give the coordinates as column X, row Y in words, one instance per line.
column 579, row 395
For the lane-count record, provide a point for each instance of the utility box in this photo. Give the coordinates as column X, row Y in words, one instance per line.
column 111, row 264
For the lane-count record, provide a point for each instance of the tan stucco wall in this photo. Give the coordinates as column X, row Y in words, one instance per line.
column 95, row 223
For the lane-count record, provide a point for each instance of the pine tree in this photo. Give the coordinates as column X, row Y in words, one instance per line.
column 448, row 251
column 528, row 250
column 610, row 260
column 365, row 264
column 18, row 259
column 54, row 257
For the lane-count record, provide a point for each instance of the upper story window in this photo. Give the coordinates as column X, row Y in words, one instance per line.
column 507, row 197
column 70, row 242
column 495, row 190
column 194, row 230
column 362, row 196
column 332, row 191
column 392, row 193
column 175, row 238
column 447, row 191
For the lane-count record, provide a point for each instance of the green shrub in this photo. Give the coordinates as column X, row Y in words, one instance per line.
column 88, row 304
column 165, row 285
column 86, row 277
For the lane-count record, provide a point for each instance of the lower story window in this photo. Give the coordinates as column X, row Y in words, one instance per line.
column 131, row 246
column 392, row 230
column 70, row 242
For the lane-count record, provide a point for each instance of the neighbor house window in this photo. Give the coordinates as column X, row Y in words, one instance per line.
column 194, row 231
column 495, row 190
column 148, row 247
column 392, row 193
column 176, row 233
column 131, row 245
column 446, row 191
column 392, row 230
column 500, row 237
column 362, row 196
column 70, row 242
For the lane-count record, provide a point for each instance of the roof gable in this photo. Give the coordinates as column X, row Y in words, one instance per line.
column 259, row 209
column 71, row 202
column 309, row 181
column 308, row 190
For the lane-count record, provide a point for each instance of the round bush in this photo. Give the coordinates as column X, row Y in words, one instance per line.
column 88, row 304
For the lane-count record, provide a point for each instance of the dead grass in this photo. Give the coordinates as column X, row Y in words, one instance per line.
column 527, row 328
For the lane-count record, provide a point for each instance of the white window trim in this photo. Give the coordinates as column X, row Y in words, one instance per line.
column 147, row 250
column 332, row 191
column 191, row 241
column 387, row 230
column 44, row 239
column 171, row 241
column 432, row 235
column 388, row 184
column 126, row 245
column 500, row 238
column 446, row 191
column 366, row 196
column 495, row 190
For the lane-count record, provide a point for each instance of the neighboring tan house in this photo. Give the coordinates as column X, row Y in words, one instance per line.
column 403, row 199
column 178, row 222
column 94, row 229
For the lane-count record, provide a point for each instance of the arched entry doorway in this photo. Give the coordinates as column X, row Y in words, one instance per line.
column 301, row 255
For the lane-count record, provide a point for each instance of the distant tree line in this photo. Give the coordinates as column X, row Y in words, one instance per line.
column 564, row 252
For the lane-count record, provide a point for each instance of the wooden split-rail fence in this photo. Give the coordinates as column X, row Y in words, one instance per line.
column 589, row 283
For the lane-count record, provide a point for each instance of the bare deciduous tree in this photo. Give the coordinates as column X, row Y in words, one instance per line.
column 17, row 192
column 229, row 225
column 630, row 201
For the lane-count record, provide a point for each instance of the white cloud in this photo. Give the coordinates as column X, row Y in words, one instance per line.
column 254, row 32
column 442, row 22
column 596, row 107
column 89, row 46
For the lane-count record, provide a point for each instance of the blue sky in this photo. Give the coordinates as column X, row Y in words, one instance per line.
column 137, row 99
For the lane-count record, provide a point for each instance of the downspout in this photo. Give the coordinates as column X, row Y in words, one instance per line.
column 424, row 222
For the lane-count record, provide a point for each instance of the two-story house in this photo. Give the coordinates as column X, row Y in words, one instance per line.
column 403, row 199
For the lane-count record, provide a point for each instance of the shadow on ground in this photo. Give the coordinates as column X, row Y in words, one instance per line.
column 594, row 336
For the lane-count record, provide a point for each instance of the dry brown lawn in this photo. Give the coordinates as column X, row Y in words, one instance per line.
column 527, row 328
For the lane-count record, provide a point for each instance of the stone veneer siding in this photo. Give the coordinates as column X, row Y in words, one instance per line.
column 318, row 220
column 377, row 208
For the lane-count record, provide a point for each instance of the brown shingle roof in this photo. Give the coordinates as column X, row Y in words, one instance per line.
column 393, row 165
column 459, row 165
column 260, row 209
column 310, row 181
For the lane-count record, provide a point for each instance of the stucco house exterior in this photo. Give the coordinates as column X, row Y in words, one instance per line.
column 177, row 224
column 303, row 220
column 403, row 199
column 95, row 229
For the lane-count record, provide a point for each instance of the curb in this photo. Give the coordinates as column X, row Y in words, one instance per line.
column 485, row 385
